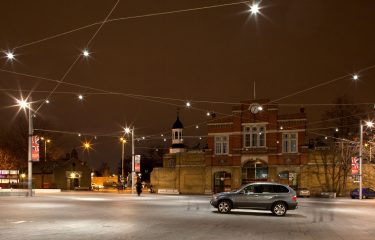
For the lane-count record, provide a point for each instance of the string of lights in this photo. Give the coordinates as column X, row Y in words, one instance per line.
column 85, row 54
column 188, row 104
column 253, row 8
column 76, row 93
column 354, row 77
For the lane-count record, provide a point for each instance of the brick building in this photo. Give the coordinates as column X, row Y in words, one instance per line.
column 256, row 143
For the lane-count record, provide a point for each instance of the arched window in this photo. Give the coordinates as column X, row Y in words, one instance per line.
column 254, row 171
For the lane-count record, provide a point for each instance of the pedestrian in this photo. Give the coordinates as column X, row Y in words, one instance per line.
column 139, row 187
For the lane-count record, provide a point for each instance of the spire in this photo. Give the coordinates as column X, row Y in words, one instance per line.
column 255, row 97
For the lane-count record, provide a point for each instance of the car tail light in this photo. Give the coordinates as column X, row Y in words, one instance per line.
column 294, row 198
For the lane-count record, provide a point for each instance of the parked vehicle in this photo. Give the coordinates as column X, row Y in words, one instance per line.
column 96, row 186
column 303, row 192
column 261, row 196
column 366, row 193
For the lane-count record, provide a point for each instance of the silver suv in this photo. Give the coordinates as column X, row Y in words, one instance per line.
column 262, row 196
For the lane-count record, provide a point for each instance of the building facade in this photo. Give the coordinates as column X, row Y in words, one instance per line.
column 254, row 143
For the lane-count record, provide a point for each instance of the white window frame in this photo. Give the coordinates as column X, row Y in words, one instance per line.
column 287, row 142
column 251, row 132
column 221, row 145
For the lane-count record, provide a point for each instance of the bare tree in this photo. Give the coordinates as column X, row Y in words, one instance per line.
column 333, row 165
column 333, row 156
column 7, row 160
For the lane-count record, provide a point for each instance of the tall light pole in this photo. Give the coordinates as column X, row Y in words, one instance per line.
column 368, row 124
column 123, row 141
column 23, row 104
column 128, row 130
column 30, row 160
column 45, row 147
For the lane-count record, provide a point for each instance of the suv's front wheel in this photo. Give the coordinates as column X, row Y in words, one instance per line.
column 224, row 206
column 279, row 209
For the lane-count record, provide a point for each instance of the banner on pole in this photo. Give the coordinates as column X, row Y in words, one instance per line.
column 35, row 148
column 355, row 165
column 137, row 163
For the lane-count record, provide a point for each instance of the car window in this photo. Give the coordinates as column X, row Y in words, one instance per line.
column 267, row 188
column 258, row 189
column 249, row 189
column 280, row 189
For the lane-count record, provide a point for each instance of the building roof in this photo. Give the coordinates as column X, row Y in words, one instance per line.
column 177, row 124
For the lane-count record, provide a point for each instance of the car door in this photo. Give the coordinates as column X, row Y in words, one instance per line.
column 247, row 197
column 266, row 197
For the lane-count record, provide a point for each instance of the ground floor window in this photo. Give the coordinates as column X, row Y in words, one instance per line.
column 254, row 171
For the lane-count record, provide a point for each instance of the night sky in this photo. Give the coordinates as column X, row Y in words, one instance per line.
column 212, row 54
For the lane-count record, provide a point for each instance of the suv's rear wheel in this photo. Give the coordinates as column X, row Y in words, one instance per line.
column 224, row 206
column 279, row 209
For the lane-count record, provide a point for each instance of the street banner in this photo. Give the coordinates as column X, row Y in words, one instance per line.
column 35, row 148
column 137, row 163
column 355, row 165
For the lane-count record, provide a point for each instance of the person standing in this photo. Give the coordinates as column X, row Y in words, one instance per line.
column 139, row 187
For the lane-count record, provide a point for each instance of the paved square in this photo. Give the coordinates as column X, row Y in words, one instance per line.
column 90, row 215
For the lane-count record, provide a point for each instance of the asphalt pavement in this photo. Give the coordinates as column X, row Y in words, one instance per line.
column 93, row 215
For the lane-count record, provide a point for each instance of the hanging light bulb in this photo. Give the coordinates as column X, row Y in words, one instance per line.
column 86, row 53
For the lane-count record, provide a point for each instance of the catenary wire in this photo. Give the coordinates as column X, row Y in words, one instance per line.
column 129, row 18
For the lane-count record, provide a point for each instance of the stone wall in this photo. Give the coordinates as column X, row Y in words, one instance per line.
column 185, row 172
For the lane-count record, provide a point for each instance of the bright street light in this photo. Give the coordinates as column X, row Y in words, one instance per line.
column 22, row 103
column 188, row 104
column 127, row 130
column 369, row 124
column 10, row 55
column 87, row 145
column 86, row 53
column 355, row 77
column 254, row 8
column 80, row 97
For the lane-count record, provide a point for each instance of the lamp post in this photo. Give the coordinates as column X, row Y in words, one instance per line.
column 123, row 141
column 128, row 130
column 45, row 147
column 368, row 124
column 23, row 104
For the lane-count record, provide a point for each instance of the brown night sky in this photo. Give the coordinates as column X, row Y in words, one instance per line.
column 212, row 54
